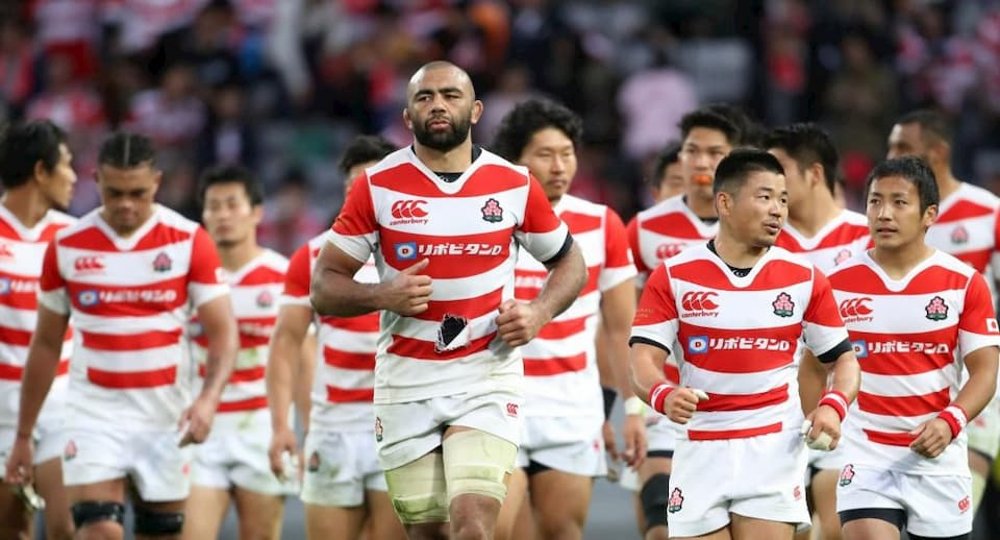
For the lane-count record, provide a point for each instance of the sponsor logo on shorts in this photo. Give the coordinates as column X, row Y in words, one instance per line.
column 313, row 465
column 676, row 501
column 512, row 409
column 783, row 305
column 937, row 309
column 492, row 211
column 964, row 505
column 846, row 476
column 378, row 429
column 797, row 493
column 70, row 451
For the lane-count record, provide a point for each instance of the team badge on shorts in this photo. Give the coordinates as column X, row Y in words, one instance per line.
column 783, row 305
column 676, row 501
column 162, row 262
column 70, row 451
column 492, row 211
column 378, row 429
column 313, row 464
column 846, row 476
column 936, row 309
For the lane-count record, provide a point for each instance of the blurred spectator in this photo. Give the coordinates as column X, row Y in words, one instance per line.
column 228, row 136
column 73, row 106
column 651, row 104
column 172, row 115
column 289, row 221
column 17, row 73
column 70, row 29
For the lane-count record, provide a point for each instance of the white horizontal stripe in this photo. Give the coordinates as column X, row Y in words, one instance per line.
column 787, row 413
column 585, row 306
column 347, row 340
column 245, row 299
column 664, row 333
column 737, row 383
column 467, row 287
column 969, row 342
column 442, row 212
column 129, row 268
column 128, row 361
column 610, row 278
column 880, row 422
column 164, row 321
column 360, row 246
column 55, row 300
column 980, row 234
column 908, row 385
column 737, row 308
column 201, row 294
column 821, row 339
column 289, row 300
column 21, row 319
column 901, row 313
column 543, row 246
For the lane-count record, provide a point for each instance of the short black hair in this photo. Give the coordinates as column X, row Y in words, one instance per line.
column 668, row 156
column 807, row 144
column 124, row 150
column 529, row 117
column 730, row 120
column 231, row 174
column 23, row 145
column 931, row 123
column 912, row 169
column 365, row 148
column 734, row 169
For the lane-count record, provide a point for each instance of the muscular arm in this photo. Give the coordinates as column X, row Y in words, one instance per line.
column 979, row 390
column 813, row 376
column 333, row 290
column 219, row 324
column 40, row 368
column 846, row 375
column 304, row 379
column 567, row 276
column 285, row 363
column 646, row 363
column 617, row 310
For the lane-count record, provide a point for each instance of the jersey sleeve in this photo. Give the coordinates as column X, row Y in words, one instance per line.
column 296, row 292
column 977, row 324
column 823, row 328
column 205, row 282
column 355, row 229
column 51, row 285
column 540, row 231
column 618, row 265
column 655, row 319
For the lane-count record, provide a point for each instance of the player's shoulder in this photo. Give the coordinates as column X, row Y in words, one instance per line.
column 850, row 217
column 170, row 218
column 666, row 206
column 949, row 262
column 852, row 267
column 273, row 259
column 978, row 195
column 60, row 219
column 696, row 253
column 85, row 224
column 780, row 255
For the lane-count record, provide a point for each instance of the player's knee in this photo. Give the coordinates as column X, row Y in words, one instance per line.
column 654, row 497
column 107, row 515
column 478, row 463
column 153, row 523
column 418, row 492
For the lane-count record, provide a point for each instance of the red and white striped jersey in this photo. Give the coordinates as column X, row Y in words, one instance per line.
column 470, row 231
column 560, row 363
column 910, row 336
column 739, row 338
column 345, row 358
column 130, row 299
column 967, row 228
column 21, row 254
column 255, row 290
column 842, row 238
column 664, row 230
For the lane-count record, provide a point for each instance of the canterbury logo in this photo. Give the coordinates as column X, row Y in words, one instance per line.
column 408, row 209
column 88, row 264
column 855, row 307
column 699, row 301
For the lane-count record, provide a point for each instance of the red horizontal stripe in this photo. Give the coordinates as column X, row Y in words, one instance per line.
column 580, row 223
column 861, row 279
column 470, row 308
column 674, row 224
column 425, row 350
column 542, row 367
column 130, row 342
column 14, row 336
column 744, row 402
column 672, row 373
column 128, row 301
column 361, row 323
column 963, row 209
column 716, row 435
column 909, row 363
column 775, row 274
column 740, row 361
column 335, row 394
column 252, row 341
column 487, row 180
column 976, row 259
column 842, row 236
column 448, row 266
column 93, row 239
column 239, row 375
column 891, row 439
column 348, row 360
column 243, row 405
column 262, row 275
column 563, row 329
column 132, row 379
column 904, row 405
column 10, row 372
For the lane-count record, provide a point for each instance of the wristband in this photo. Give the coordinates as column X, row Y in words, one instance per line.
column 609, row 400
column 658, row 394
column 634, row 406
column 836, row 400
column 955, row 417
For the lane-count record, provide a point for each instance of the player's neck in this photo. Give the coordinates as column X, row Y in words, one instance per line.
column 701, row 206
column 458, row 159
column 813, row 216
column 736, row 253
column 898, row 262
column 26, row 204
column 947, row 183
column 236, row 256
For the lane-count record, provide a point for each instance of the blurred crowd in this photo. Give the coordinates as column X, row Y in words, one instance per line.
column 281, row 86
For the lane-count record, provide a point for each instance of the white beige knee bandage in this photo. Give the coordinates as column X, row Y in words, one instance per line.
column 478, row 463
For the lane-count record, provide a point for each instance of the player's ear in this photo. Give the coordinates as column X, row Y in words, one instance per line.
column 406, row 119
column 930, row 215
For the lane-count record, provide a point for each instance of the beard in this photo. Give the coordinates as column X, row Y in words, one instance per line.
column 443, row 141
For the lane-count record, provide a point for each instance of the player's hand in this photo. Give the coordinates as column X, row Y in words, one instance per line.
column 409, row 292
column 519, row 323
column 634, row 433
column 932, row 437
column 610, row 442
column 282, row 443
column 680, row 404
column 824, row 419
column 19, row 463
column 196, row 422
